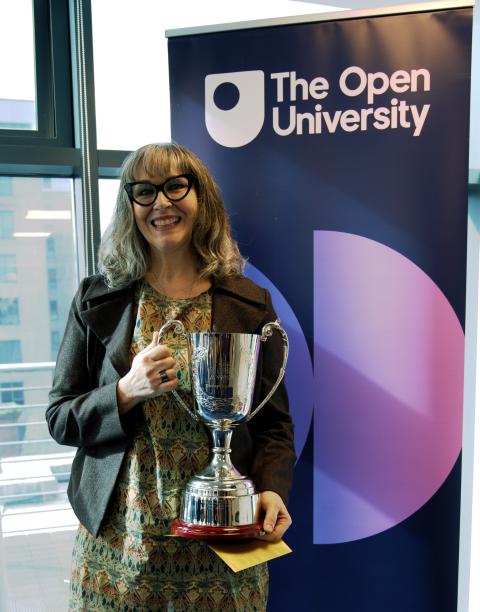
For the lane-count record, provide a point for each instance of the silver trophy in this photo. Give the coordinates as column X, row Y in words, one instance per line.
column 219, row 502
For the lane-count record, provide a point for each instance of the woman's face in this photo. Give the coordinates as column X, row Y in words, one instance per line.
column 166, row 226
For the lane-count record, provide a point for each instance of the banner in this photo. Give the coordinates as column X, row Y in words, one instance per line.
column 341, row 149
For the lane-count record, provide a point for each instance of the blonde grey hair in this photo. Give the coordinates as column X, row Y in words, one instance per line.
column 124, row 252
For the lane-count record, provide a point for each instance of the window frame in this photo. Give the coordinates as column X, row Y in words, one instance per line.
column 53, row 83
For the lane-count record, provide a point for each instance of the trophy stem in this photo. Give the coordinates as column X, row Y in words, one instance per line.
column 221, row 466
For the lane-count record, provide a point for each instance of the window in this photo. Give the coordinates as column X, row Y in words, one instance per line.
column 10, row 351
column 52, row 278
column 33, row 467
column 51, row 251
column 108, row 190
column 53, row 310
column 35, row 92
column 55, row 343
column 14, row 394
column 17, row 78
column 8, row 269
column 6, row 188
column 43, row 263
column 9, row 311
column 17, row 114
column 6, row 224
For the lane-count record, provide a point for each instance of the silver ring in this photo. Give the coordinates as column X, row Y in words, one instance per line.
column 164, row 377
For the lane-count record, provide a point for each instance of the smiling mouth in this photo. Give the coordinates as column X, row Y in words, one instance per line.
column 165, row 222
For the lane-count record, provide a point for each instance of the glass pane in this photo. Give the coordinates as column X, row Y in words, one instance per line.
column 37, row 282
column 17, row 66
column 108, row 189
column 127, row 119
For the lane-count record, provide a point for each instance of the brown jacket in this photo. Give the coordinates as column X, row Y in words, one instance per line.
column 94, row 354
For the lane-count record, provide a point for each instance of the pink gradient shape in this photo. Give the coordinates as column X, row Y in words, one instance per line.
column 389, row 353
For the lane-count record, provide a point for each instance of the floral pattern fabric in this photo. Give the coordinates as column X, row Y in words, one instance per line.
column 134, row 565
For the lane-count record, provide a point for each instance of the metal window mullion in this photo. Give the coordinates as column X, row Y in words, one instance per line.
column 85, row 127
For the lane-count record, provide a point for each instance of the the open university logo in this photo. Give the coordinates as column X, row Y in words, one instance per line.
column 235, row 106
column 299, row 105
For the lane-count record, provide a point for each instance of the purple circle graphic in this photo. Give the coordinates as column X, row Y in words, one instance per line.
column 299, row 372
column 388, row 387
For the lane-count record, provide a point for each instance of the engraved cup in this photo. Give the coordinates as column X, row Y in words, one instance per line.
column 219, row 502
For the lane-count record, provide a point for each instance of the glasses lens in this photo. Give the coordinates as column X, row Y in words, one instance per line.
column 144, row 193
column 176, row 188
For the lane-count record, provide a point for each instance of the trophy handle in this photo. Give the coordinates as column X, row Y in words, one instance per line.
column 267, row 331
column 179, row 329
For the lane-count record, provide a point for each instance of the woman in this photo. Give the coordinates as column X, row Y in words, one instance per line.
column 167, row 254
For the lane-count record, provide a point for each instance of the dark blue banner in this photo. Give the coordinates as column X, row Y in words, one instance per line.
column 341, row 149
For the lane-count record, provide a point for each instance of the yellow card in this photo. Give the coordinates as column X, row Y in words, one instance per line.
column 240, row 555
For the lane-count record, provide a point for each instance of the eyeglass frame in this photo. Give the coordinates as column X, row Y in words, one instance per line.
column 160, row 188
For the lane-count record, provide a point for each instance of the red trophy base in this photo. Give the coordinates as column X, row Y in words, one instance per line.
column 205, row 532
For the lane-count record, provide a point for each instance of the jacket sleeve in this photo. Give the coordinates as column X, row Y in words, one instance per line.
column 271, row 428
column 81, row 413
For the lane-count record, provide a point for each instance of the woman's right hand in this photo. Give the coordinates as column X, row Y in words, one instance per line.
column 146, row 378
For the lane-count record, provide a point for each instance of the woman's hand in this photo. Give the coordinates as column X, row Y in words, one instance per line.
column 151, row 374
column 276, row 520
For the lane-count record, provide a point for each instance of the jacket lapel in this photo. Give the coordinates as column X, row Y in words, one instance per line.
column 110, row 315
column 238, row 306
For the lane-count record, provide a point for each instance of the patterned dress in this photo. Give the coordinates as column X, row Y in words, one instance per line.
column 133, row 565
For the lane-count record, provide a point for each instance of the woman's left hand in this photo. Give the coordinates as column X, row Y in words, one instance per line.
column 276, row 520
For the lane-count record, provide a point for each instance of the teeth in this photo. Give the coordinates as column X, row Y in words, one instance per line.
column 163, row 222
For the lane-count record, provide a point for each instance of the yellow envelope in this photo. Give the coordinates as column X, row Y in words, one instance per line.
column 240, row 555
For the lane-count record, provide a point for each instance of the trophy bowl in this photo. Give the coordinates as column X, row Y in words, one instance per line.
column 219, row 502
